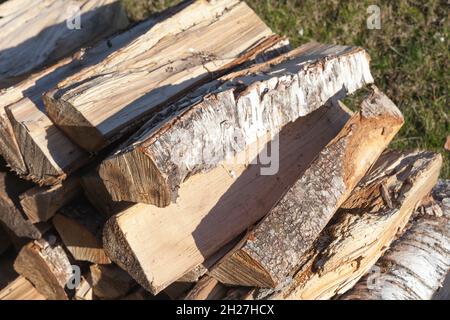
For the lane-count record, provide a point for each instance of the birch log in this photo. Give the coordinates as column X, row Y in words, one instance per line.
column 80, row 227
column 417, row 264
column 214, row 207
column 374, row 215
column 11, row 213
column 46, row 265
column 245, row 106
column 36, row 33
column 276, row 245
column 41, row 203
column 20, row 289
column 174, row 56
column 42, row 153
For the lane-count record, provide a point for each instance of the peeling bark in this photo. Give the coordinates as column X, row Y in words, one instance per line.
column 99, row 105
column 273, row 248
column 145, row 241
column 224, row 118
column 45, row 264
column 418, row 262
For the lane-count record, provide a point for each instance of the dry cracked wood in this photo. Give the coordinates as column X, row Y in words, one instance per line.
column 273, row 248
column 373, row 216
column 11, row 213
column 101, row 104
column 46, row 265
column 43, row 153
column 20, row 289
column 41, row 203
column 80, row 227
column 214, row 207
column 36, row 33
column 205, row 130
column 417, row 263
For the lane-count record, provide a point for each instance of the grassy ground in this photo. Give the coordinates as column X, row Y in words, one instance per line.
column 410, row 53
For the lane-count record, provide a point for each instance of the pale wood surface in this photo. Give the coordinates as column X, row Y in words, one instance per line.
column 274, row 247
column 80, row 227
column 225, row 117
column 101, row 103
column 36, row 33
column 20, row 289
column 213, row 208
column 417, row 263
column 41, row 203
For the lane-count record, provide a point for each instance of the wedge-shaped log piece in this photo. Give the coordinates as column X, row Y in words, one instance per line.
column 11, row 213
column 214, row 207
column 46, row 265
column 41, row 203
column 36, row 33
column 42, row 153
column 20, row 289
column 102, row 103
column 416, row 264
column 80, row 228
column 242, row 107
column 373, row 216
column 276, row 245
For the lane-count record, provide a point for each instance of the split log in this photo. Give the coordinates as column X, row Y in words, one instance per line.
column 84, row 290
column 236, row 111
column 273, row 248
column 5, row 243
column 46, row 265
column 110, row 282
column 11, row 213
column 20, row 289
column 80, row 227
column 207, row 288
column 43, row 153
column 374, row 215
column 145, row 242
column 161, row 65
column 41, row 203
column 36, row 33
column 417, row 264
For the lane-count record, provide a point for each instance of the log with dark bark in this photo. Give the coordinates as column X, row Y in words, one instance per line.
column 20, row 289
column 232, row 197
column 80, row 228
column 47, row 266
column 36, row 33
column 274, row 247
column 198, row 133
column 174, row 56
column 41, row 203
column 11, row 213
column 417, row 263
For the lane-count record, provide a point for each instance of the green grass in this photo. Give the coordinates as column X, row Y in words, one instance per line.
column 410, row 53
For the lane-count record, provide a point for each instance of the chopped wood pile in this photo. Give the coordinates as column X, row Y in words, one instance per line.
column 196, row 155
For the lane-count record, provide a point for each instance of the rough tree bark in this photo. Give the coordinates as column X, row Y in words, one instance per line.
column 274, row 247
column 99, row 105
column 144, row 241
column 11, row 213
column 46, row 265
column 416, row 265
column 36, row 33
column 239, row 110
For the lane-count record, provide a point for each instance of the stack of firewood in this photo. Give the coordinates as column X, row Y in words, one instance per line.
column 197, row 155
